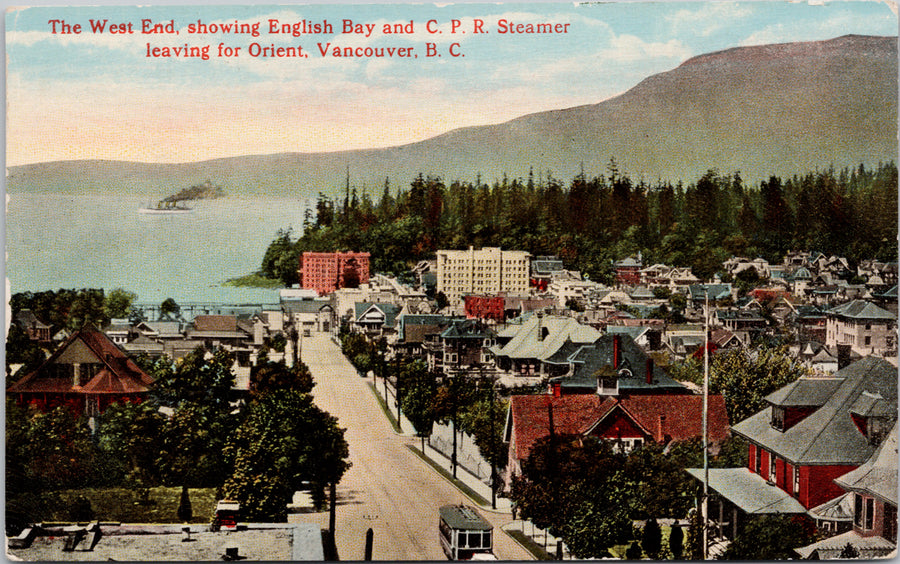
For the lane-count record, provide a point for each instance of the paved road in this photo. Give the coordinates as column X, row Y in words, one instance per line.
column 388, row 488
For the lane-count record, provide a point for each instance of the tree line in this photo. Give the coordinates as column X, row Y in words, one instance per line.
column 591, row 222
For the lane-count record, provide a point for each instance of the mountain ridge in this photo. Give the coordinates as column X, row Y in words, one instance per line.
column 778, row 109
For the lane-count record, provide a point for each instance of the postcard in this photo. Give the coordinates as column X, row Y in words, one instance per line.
column 422, row 281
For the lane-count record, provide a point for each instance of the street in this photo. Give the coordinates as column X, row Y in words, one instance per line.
column 388, row 488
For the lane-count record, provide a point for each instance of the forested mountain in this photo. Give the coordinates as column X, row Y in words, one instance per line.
column 764, row 110
column 592, row 221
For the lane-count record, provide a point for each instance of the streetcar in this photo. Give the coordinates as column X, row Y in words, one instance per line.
column 464, row 534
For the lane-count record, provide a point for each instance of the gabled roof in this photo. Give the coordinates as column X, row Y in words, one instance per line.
column 390, row 311
column 828, row 435
column 805, row 392
column 861, row 309
column 540, row 337
column 119, row 374
column 676, row 417
column 878, row 476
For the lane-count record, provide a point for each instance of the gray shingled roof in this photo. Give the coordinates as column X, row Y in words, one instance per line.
column 526, row 342
column 749, row 491
column 860, row 309
column 878, row 476
column 805, row 392
column 591, row 358
column 828, row 435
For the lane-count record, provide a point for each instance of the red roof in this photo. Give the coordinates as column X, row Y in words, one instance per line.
column 119, row 373
column 665, row 418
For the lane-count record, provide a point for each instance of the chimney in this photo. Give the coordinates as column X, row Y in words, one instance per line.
column 557, row 389
column 660, row 436
column 843, row 354
column 649, row 370
column 540, row 326
column 616, row 351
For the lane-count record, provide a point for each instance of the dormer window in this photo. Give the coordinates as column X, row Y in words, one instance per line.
column 608, row 386
column 778, row 417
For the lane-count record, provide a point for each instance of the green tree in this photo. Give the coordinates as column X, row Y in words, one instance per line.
column 131, row 436
column 285, row 444
column 119, row 302
column 169, row 307
column 745, row 378
column 769, row 537
column 195, row 379
column 269, row 376
column 20, row 349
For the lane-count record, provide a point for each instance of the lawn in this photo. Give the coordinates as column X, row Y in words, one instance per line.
column 121, row 505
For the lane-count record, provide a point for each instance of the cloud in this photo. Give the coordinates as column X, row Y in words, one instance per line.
column 842, row 22
column 709, row 18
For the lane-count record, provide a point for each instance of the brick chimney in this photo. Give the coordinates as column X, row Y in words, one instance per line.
column 556, row 387
column 649, row 370
column 616, row 351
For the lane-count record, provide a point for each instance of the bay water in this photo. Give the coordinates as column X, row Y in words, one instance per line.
column 89, row 241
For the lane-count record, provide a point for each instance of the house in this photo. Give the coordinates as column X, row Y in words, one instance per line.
column 613, row 365
column 522, row 348
column 698, row 293
column 36, row 329
column 87, row 373
column 460, row 346
column 815, row 429
column 867, row 328
column 308, row 316
column 628, row 271
column 413, row 330
column 747, row 325
column 872, row 496
column 219, row 330
column 628, row 422
column 375, row 319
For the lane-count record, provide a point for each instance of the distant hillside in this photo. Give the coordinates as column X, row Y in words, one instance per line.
column 774, row 109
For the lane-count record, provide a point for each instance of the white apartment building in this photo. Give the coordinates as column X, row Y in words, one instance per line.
column 486, row 271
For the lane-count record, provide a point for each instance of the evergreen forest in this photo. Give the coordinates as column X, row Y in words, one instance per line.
column 592, row 222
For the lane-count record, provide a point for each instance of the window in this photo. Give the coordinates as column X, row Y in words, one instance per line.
column 796, row 481
column 772, row 468
column 863, row 512
column 778, row 417
column 757, row 464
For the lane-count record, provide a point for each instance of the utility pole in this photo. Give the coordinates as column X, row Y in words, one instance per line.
column 705, row 508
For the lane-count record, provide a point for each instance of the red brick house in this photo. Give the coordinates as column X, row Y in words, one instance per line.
column 814, row 431
column 87, row 373
column 628, row 422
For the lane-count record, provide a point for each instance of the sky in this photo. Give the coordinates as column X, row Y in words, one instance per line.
column 106, row 96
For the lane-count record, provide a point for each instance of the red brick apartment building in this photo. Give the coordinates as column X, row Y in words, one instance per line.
column 326, row 272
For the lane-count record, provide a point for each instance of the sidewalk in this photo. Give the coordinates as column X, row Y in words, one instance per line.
column 439, row 459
